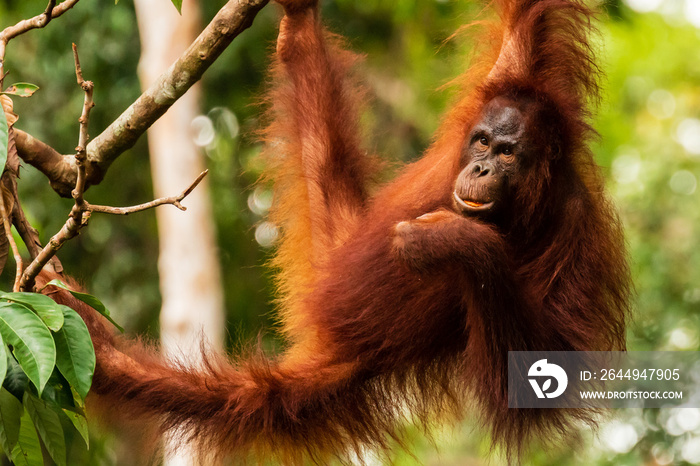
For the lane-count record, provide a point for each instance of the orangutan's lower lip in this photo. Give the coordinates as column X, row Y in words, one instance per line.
column 472, row 205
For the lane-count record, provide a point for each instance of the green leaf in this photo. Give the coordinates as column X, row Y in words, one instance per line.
column 78, row 401
column 81, row 425
column 22, row 89
column 75, row 355
column 3, row 360
column 58, row 391
column 47, row 308
column 4, row 130
column 31, row 341
column 27, row 452
column 178, row 5
column 10, row 415
column 90, row 300
column 48, row 424
column 16, row 380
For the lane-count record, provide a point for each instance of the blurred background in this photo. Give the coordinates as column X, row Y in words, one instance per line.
column 649, row 123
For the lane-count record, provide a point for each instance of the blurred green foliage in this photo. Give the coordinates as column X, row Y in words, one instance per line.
column 649, row 146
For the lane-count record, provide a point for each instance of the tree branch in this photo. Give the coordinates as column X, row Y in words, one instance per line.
column 174, row 200
column 69, row 230
column 235, row 17
column 79, row 215
column 80, row 155
column 61, row 170
column 48, row 13
column 39, row 21
column 122, row 134
column 78, row 218
column 7, row 227
column 82, row 210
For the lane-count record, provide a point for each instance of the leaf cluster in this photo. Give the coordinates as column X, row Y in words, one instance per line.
column 47, row 362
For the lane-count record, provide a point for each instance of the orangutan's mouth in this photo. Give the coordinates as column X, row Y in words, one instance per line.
column 472, row 205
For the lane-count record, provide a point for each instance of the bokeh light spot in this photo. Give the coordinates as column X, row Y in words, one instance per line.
column 692, row 12
column 683, row 182
column 619, row 437
column 688, row 134
column 260, row 200
column 266, row 234
column 691, row 450
column 683, row 339
column 626, row 166
column 661, row 454
column 644, row 6
column 661, row 104
column 202, row 130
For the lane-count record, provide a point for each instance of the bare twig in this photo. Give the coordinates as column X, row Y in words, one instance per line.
column 38, row 21
column 48, row 12
column 26, row 231
column 174, row 200
column 78, row 219
column 80, row 154
column 79, row 214
column 15, row 251
column 29, row 235
column 69, row 230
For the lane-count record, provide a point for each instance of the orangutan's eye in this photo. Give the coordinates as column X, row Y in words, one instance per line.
column 483, row 141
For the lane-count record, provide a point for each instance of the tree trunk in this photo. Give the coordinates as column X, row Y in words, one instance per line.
column 190, row 280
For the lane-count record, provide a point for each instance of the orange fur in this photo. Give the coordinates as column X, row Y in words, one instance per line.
column 377, row 331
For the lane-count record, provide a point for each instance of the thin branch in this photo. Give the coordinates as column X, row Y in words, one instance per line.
column 26, row 231
column 79, row 217
column 69, row 230
column 19, row 267
column 38, row 21
column 48, row 12
column 80, row 155
column 29, row 235
column 174, row 200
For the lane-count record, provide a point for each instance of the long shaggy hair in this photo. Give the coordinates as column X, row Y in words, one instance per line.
column 373, row 341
